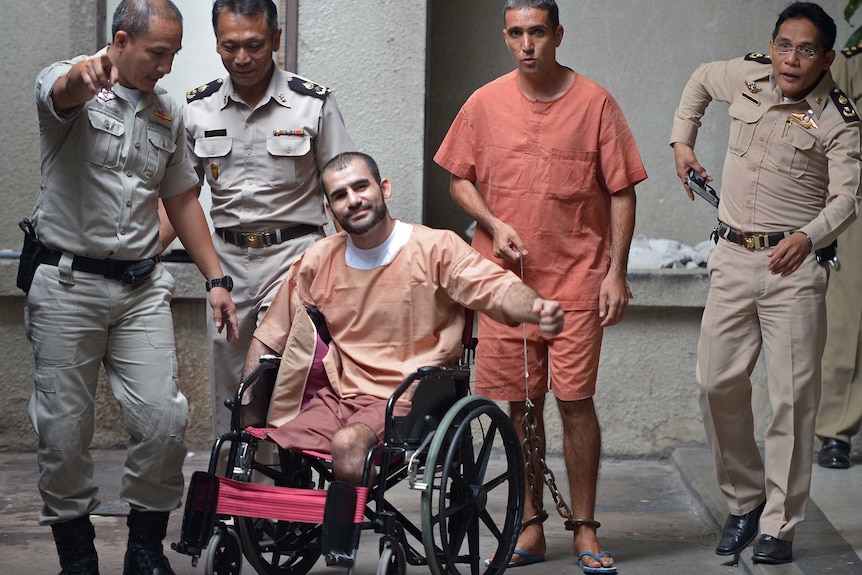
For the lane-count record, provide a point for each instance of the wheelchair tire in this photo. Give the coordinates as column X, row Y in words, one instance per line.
column 223, row 554
column 279, row 547
column 472, row 508
column 282, row 547
column 392, row 559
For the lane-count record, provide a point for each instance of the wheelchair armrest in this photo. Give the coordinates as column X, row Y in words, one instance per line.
column 268, row 367
column 438, row 388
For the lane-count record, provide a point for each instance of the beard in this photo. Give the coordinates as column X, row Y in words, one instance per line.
column 376, row 214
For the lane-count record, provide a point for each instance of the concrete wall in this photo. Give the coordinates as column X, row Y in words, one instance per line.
column 36, row 37
column 372, row 54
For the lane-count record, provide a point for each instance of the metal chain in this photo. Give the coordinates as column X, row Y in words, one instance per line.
column 534, row 450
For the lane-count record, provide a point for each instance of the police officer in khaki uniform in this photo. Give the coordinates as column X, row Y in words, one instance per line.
column 112, row 145
column 840, row 414
column 790, row 185
column 260, row 137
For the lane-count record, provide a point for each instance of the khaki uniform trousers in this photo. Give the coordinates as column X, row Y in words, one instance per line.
column 840, row 413
column 76, row 322
column 257, row 275
column 749, row 308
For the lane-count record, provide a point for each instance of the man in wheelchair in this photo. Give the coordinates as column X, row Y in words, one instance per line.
column 392, row 295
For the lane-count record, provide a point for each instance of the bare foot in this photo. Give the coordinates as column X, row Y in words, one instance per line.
column 531, row 542
column 586, row 540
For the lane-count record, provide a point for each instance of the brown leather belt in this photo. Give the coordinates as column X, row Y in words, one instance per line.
column 263, row 239
column 751, row 241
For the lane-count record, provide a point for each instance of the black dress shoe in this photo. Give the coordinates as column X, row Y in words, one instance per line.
column 739, row 531
column 772, row 551
column 834, row 454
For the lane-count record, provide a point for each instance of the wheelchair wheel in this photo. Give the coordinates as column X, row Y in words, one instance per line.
column 282, row 547
column 224, row 554
column 474, row 502
column 279, row 547
column 392, row 558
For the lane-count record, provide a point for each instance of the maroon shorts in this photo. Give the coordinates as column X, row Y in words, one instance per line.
column 570, row 359
column 326, row 413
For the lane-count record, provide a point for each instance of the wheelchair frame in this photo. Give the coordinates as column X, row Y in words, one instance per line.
column 442, row 447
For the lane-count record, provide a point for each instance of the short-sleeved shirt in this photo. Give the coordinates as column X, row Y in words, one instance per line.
column 263, row 165
column 790, row 164
column 104, row 166
column 388, row 321
column 548, row 169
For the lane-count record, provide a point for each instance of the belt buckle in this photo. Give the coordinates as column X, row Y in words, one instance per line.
column 749, row 242
column 254, row 240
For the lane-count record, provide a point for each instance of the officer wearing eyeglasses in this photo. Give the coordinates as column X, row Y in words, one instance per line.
column 790, row 185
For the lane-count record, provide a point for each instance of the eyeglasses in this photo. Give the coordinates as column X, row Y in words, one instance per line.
column 803, row 51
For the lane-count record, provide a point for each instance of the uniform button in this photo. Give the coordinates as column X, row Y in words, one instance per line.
column 107, row 124
column 129, row 173
column 289, row 150
column 791, row 140
column 123, row 231
column 248, row 152
column 129, row 203
column 747, row 201
column 137, row 145
column 751, row 168
column 760, row 139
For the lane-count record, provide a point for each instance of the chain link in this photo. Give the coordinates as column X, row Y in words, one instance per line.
column 534, row 450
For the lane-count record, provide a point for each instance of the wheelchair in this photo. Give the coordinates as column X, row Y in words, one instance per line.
column 282, row 513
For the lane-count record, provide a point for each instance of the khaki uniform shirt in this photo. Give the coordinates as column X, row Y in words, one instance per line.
column 847, row 72
column 104, row 166
column 790, row 165
column 263, row 165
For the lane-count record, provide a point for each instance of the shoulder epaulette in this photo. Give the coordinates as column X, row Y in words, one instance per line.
column 758, row 57
column 204, row 91
column 844, row 105
column 851, row 51
column 307, row 87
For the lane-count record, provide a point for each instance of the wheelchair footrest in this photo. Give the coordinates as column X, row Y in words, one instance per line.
column 338, row 538
column 199, row 516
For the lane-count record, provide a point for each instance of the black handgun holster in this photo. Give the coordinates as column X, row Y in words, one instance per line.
column 29, row 259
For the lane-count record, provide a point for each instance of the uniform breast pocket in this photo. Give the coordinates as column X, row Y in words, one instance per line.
column 213, row 153
column 795, row 151
column 571, row 172
column 160, row 147
column 744, row 118
column 292, row 155
column 102, row 141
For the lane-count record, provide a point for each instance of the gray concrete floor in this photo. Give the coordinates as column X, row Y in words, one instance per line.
column 658, row 516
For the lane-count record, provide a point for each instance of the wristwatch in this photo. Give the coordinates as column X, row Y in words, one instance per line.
column 226, row 282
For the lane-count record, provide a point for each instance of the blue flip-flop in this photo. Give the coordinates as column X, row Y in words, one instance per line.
column 526, row 559
column 603, row 570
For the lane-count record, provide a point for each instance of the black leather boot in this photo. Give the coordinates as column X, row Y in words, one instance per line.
column 74, row 540
column 145, row 555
